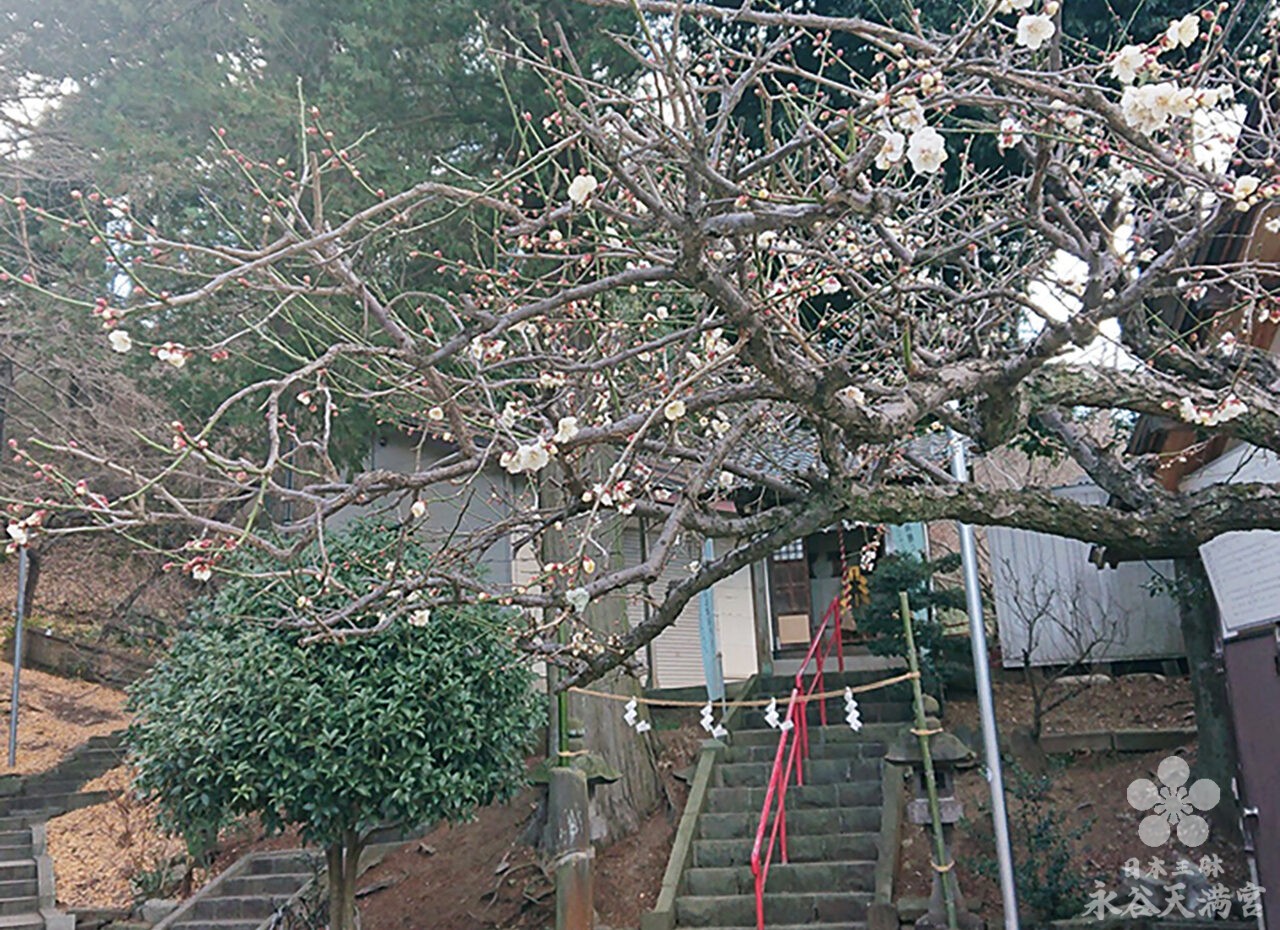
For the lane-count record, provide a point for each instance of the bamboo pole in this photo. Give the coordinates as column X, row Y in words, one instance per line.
column 926, row 756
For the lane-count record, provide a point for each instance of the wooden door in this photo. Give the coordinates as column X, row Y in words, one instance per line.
column 789, row 592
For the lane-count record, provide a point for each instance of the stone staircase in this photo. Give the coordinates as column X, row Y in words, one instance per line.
column 247, row 896
column 833, row 820
column 26, row 873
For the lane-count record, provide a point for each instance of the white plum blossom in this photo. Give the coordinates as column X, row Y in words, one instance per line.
column 18, row 535
column 420, row 617
column 1128, row 62
column 1183, row 32
column 1243, row 191
column 582, row 187
column 895, row 146
column 418, row 509
column 202, row 571
column 526, row 458
column 927, row 150
column 1010, row 134
column 578, row 599
column 435, row 414
column 1072, row 120
column 120, row 340
column 1012, row 6
column 1034, row 30
column 911, row 117
column 1150, row 107
column 566, row 429
column 173, row 353
column 1230, row 408
column 674, row 410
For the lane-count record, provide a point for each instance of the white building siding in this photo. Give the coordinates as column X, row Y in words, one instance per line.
column 1055, row 607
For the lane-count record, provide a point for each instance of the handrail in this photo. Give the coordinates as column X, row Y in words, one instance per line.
column 796, row 722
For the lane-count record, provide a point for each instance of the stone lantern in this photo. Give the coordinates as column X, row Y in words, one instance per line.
column 948, row 753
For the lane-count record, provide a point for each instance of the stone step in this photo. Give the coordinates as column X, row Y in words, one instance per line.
column 281, row 883
column 791, row 908
column 818, row 749
column 19, row 888
column 25, row 804
column 15, row 853
column 253, row 924
column 792, row 877
column 31, row 921
column 816, row 772
column 833, row 678
column 21, row 819
column 799, row 797
column 830, row 847
column 290, row 862
column 868, row 712
column 236, row 907
column 28, row 904
column 835, row 732
column 802, row 822
column 17, row 869
column 36, row 785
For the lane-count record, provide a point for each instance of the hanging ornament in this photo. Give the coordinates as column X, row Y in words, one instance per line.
column 851, row 715
column 709, row 724
column 631, row 718
column 771, row 717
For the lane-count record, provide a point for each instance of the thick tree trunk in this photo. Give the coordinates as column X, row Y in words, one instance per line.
column 1215, row 753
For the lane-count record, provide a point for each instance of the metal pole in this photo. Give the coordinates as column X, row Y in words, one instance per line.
column 17, row 655
column 986, row 704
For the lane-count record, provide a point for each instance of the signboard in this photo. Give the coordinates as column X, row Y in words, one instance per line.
column 1244, row 572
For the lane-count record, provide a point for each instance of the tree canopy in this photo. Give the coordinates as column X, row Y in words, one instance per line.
column 732, row 334
column 422, row 723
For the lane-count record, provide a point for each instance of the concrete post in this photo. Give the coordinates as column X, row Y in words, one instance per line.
column 571, row 831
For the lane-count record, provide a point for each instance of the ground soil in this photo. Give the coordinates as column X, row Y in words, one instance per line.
column 55, row 715
column 1087, row 790
column 479, row 875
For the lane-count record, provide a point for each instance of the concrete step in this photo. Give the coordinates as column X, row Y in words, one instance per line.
column 818, row 749
column 802, row 822
column 281, row 863
column 799, row 797
column 789, row 908
column 834, row 732
column 792, row 877
column 31, row 921
column 17, row 870
column 19, row 888
column 253, row 924
column 28, row 904
column 282, row 883
column 236, row 907
column 843, row 847
column 816, row 772
column 15, row 838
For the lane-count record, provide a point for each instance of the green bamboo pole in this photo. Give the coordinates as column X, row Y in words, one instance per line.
column 926, row 756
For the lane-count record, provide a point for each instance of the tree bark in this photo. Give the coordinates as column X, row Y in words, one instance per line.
column 343, row 861
column 1215, row 747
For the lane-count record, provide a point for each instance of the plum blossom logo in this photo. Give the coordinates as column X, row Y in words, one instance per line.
column 1172, row 804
